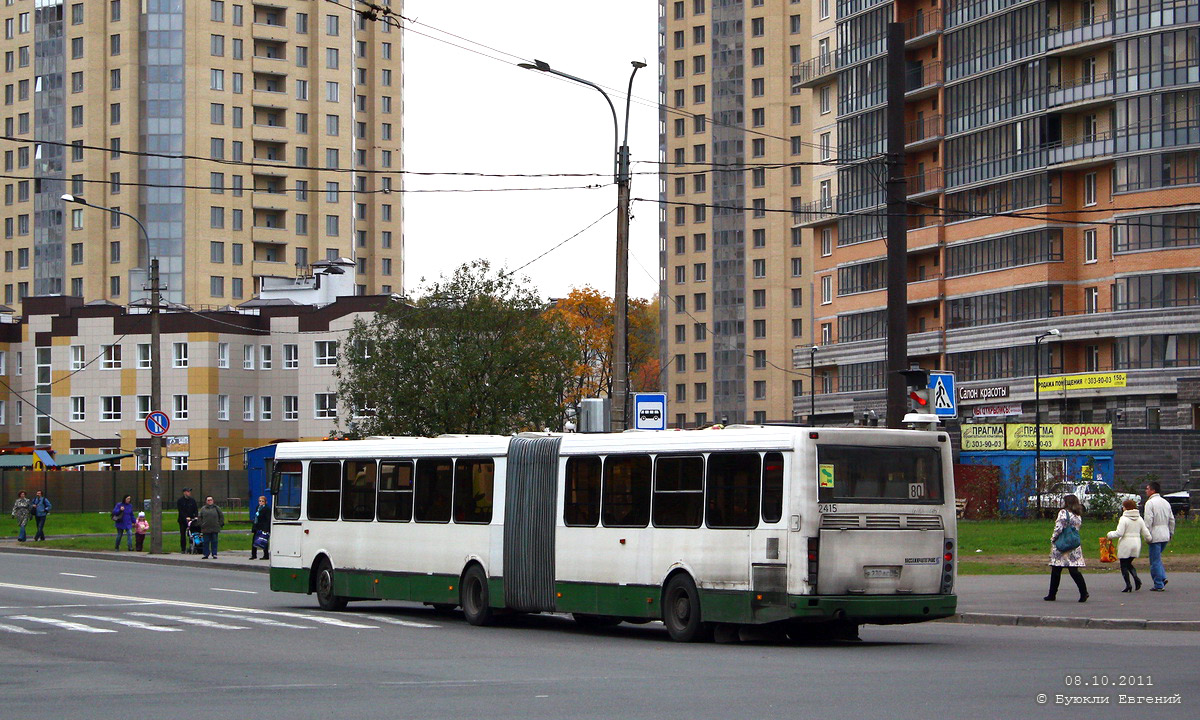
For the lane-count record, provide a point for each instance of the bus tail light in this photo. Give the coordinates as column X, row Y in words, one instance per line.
column 948, row 568
column 814, row 551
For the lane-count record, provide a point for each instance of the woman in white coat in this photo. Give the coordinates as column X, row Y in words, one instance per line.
column 1130, row 532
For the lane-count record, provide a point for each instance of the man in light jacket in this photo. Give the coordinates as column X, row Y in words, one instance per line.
column 1160, row 521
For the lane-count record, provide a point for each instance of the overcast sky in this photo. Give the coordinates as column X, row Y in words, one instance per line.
column 468, row 113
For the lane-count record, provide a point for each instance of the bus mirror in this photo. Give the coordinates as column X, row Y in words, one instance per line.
column 273, row 473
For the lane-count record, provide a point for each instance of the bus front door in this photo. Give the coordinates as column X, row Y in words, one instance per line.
column 286, row 526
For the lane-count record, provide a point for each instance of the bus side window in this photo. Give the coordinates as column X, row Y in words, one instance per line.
column 678, row 491
column 772, row 487
column 435, row 485
column 287, row 486
column 581, row 504
column 396, row 491
column 324, row 489
column 358, row 490
column 733, row 490
column 473, row 482
column 627, row 491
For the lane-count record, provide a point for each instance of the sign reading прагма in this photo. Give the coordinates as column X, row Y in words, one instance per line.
column 1020, row 436
column 982, row 437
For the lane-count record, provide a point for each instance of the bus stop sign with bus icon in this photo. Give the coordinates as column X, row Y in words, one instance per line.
column 650, row 411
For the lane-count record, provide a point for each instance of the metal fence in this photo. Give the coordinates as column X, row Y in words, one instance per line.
column 100, row 490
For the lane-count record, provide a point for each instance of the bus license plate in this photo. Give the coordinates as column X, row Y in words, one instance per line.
column 883, row 572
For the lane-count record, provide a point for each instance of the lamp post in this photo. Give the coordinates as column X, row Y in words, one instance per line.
column 812, row 383
column 621, row 294
column 1037, row 412
column 155, row 379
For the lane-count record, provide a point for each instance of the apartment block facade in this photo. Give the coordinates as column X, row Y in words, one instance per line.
column 734, row 268
column 250, row 138
column 1053, row 182
column 77, row 377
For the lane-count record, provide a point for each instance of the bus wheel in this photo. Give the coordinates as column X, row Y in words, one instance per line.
column 596, row 622
column 681, row 611
column 474, row 598
column 326, row 598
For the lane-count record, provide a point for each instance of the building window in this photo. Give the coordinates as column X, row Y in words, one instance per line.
column 1089, row 189
column 222, row 407
column 759, row 298
column 110, row 408
column 111, row 357
column 78, row 412
column 325, row 406
column 826, row 289
column 291, row 357
column 179, row 355
column 1091, row 300
column 760, row 359
column 77, row 359
column 179, row 407
column 325, row 353
column 248, row 408
column 264, row 407
column 264, row 357
column 1090, row 251
column 291, row 407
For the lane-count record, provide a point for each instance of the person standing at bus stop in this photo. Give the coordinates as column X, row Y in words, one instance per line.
column 211, row 522
column 122, row 515
column 1160, row 521
column 41, row 510
column 186, row 506
column 1071, row 515
column 260, row 528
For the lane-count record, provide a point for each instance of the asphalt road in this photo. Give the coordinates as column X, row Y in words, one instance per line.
column 84, row 638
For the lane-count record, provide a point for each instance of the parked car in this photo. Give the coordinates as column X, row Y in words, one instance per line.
column 1092, row 494
column 1181, row 502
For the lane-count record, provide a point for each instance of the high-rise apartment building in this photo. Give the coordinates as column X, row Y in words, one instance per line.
column 734, row 271
column 1053, row 165
column 251, row 139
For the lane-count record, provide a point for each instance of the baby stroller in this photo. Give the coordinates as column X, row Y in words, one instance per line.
column 195, row 537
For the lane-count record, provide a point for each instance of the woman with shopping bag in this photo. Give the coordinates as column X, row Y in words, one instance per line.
column 1130, row 532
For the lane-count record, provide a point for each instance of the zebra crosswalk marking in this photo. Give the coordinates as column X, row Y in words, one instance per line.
column 191, row 621
column 326, row 620
column 259, row 621
column 392, row 621
column 128, row 623
column 18, row 630
column 64, row 624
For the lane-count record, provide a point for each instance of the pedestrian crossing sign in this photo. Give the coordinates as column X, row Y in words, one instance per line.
column 942, row 395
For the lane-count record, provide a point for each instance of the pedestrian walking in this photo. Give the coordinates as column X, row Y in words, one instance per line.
column 41, row 510
column 1130, row 532
column 122, row 515
column 22, row 509
column 211, row 522
column 140, row 528
column 186, row 505
column 261, row 528
column 1160, row 521
column 1070, row 517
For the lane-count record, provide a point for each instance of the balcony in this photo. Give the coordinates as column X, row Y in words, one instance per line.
column 272, row 31
column 924, row 289
column 272, row 268
column 812, row 72
column 270, row 133
column 1079, row 35
column 1081, row 92
column 925, row 184
column 923, row 132
column 273, row 96
column 923, row 80
column 271, row 199
column 922, row 29
column 266, row 65
column 1093, row 146
column 813, row 213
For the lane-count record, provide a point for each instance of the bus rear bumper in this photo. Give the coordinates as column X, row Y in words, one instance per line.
column 872, row 609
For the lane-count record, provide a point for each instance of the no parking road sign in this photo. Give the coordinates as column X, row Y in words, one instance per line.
column 157, row 423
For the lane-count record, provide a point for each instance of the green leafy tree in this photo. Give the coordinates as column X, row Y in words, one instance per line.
column 475, row 353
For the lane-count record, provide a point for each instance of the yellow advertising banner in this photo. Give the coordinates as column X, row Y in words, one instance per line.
column 1055, row 436
column 1082, row 382
column 1019, row 436
column 982, row 437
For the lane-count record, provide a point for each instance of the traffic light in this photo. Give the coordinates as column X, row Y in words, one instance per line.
column 918, row 401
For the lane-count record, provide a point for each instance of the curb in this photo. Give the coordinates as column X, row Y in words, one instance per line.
column 136, row 558
column 1000, row 619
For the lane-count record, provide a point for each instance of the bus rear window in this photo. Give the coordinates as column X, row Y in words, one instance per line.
column 879, row 474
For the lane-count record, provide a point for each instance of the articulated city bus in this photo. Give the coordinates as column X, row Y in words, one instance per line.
column 799, row 527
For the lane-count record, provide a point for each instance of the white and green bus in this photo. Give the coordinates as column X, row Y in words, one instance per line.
column 801, row 527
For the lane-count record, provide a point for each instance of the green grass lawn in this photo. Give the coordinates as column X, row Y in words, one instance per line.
column 89, row 523
column 1032, row 537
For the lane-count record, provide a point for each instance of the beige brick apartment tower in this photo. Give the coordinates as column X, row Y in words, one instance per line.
column 258, row 95
column 734, row 271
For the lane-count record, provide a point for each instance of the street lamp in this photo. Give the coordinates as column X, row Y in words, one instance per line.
column 621, row 295
column 1037, row 412
column 812, row 383
column 155, row 377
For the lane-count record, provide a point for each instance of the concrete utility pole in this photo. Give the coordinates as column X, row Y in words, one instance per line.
column 897, row 231
column 155, row 404
column 621, row 294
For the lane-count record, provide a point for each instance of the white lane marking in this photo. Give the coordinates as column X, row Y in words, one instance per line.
column 183, row 603
column 243, row 618
column 128, row 623
column 247, row 592
column 391, row 621
column 77, row 575
column 19, row 630
column 190, row 621
column 64, row 624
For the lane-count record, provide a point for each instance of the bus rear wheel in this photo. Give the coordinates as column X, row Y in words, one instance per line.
column 326, row 597
column 475, row 598
column 681, row 611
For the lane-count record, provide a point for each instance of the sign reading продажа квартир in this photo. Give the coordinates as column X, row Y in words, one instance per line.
column 1020, row 436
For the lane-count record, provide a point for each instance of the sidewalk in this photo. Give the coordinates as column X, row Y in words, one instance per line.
column 982, row 599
